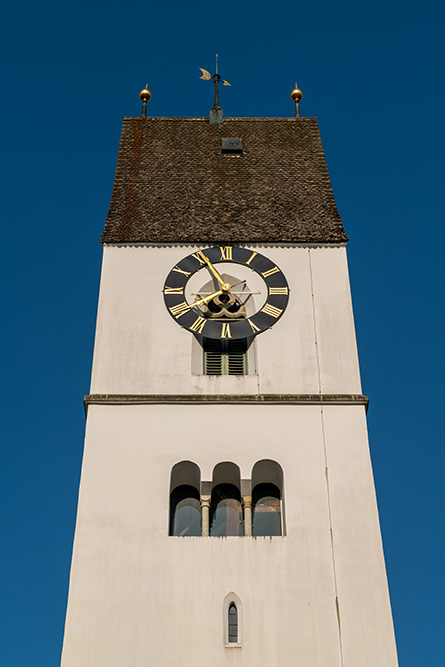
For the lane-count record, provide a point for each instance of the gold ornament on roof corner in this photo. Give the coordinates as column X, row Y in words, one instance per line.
column 297, row 94
column 145, row 94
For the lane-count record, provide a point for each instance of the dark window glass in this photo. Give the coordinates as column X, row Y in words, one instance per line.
column 226, row 515
column 233, row 624
column 185, row 511
column 266, row 510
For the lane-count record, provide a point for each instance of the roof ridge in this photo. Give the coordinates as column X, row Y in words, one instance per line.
column 291, row 119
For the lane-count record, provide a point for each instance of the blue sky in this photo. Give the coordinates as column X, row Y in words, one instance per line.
column 372, row 74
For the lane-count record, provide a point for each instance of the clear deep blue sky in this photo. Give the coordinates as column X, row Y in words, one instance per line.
column 373, row 75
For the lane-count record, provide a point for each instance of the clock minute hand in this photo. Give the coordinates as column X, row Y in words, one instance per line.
column 224, row 286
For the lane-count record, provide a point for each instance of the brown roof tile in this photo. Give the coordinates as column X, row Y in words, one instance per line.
column 173, row 185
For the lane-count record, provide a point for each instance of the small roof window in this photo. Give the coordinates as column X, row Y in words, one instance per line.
column 231, row 146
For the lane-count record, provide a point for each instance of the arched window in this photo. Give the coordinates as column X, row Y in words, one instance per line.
column 267, row 499
column 185, row 512
column 185, row 505
column 233, row 621
column 266, row 510
column 226, row 513
column 232, row 634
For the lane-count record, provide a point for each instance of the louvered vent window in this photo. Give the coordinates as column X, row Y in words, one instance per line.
column 225, row 357
column 231, row 146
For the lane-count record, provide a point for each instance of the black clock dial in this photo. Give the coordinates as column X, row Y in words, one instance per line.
column 226, row 292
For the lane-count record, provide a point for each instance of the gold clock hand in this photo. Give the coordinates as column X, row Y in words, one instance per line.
column 224, row 286
column 209, row 297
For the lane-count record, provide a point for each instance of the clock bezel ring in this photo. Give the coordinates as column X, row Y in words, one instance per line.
column 262, row 320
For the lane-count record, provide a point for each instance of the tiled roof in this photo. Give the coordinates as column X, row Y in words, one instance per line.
column 173, row 185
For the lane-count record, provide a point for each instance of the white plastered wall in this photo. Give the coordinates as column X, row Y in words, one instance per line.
column 138, row 596
column 140, row 349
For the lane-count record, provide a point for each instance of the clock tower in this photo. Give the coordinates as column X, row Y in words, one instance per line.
column 227, row 513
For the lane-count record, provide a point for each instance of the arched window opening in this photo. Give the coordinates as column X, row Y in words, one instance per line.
column 185, row 512
column 226, row 514
column 266, row 510
column 185, row 506
column 232, row 634
column 233, row 620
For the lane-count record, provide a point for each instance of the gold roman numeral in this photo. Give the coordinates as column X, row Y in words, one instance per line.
column 198, row 257
column 254, row 254
column 271, row 310
column 226, row 252
column 198, row 325
column 253, row 326
column 278, row 290
column 173, row 290
column 225, row 332
column 266, row 274
column 180, row 309
column 178, row 270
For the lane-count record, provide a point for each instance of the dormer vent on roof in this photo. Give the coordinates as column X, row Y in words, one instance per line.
column 231, row 146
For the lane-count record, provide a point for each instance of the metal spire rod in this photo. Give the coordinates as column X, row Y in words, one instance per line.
column 216, row 113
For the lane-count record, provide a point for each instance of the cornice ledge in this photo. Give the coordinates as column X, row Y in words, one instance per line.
column 259, row 399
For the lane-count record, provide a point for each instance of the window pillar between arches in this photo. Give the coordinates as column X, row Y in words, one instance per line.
column 247, row 506
column 205, row 515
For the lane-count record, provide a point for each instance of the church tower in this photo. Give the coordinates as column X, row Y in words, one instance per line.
column 227, row 513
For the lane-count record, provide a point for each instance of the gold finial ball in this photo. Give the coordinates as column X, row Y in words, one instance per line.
column 145, row 95
column 296, row 95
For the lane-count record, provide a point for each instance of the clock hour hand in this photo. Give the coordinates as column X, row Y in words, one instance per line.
column 207, row 298
column 224, row 286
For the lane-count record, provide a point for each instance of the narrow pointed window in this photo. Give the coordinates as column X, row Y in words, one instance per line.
column 232, row 634
column 233, row 621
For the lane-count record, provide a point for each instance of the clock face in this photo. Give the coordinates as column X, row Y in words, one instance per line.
column 226, row 292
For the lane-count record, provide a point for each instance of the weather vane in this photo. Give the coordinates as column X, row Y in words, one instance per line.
column 216, row 113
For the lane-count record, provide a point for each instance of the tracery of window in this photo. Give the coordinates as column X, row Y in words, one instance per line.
column 232, row 624
column 226, row 513
column 266, row 510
